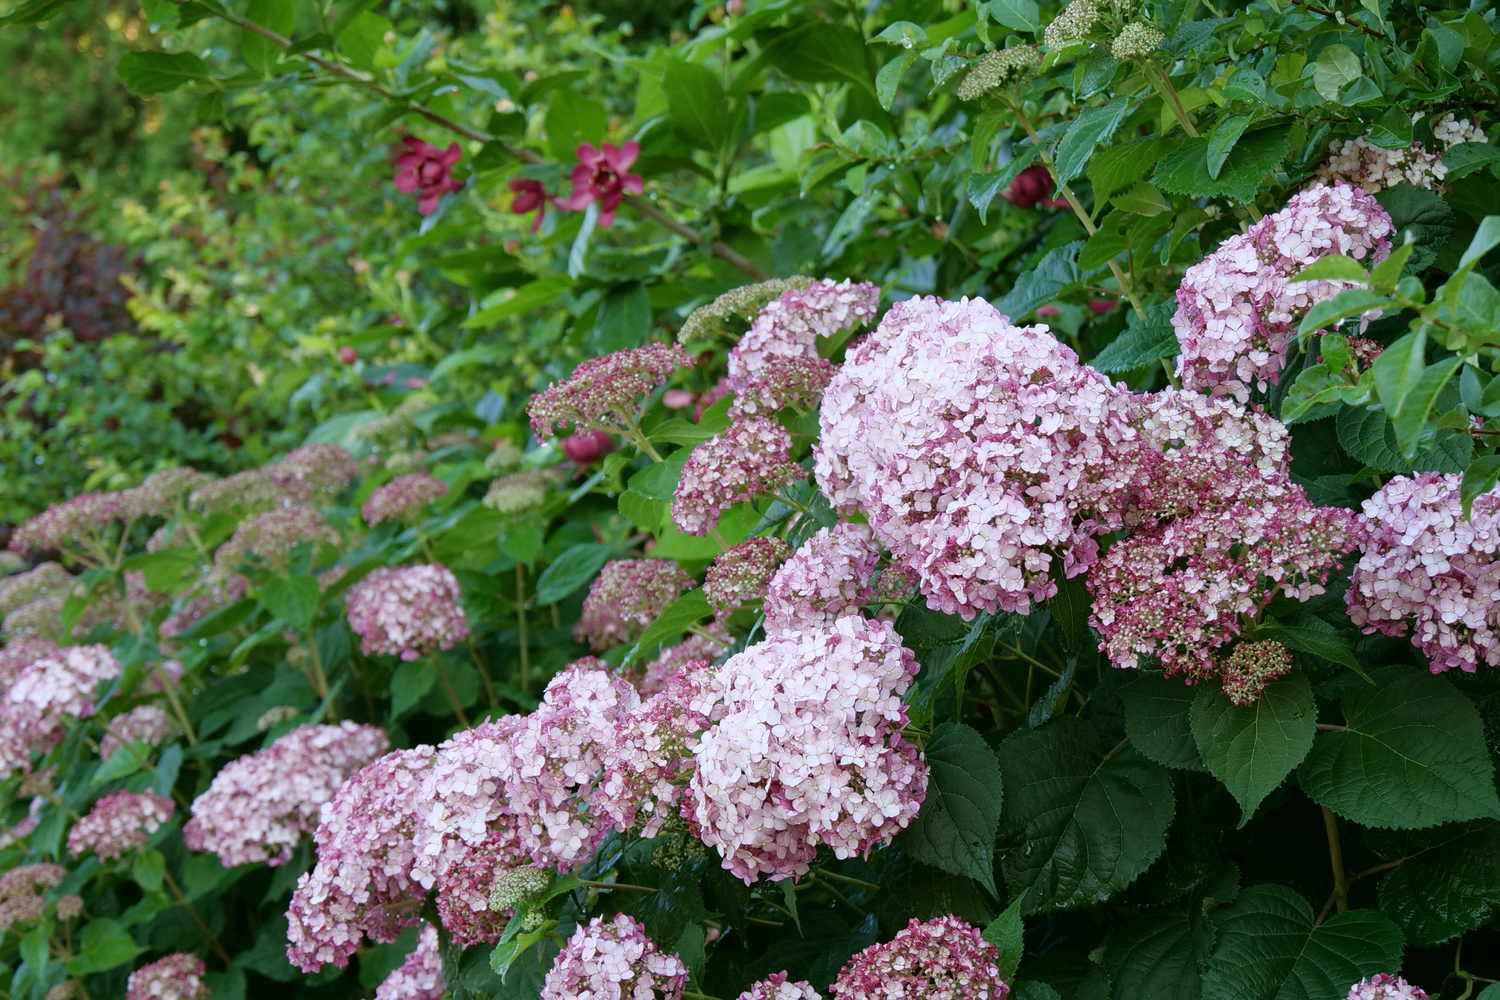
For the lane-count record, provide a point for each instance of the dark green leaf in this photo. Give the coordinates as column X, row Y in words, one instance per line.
column 1467, row 157
column 1368, row 435
column 825, row 53
column 1143, row 343
column 363, row 37
column 1479, row 478
column 1393, row 130
column 624, row 318
column 1334, row 267
column 1005, row 933
column 149, row 73
column 1349, row 302
column 1118, row 167
column 1184, row 170
column 1447, row 881
column 1222, row 141
column 1080, row 822
column 696, row 103
column 1421, row 217
column 689, row 609
column 571, row 120
column 642, row 511
column 1312, row 635
column 32, row 11
column 955, row 830
column 294, row 600
column 1070, row 608
column 1156, row 720
column 1093, row 125
column 1252, row 749
column 571, row 570
column 104, row 944
column 889, row 78
column 410, row 683
column 1151, row 957
column 1018, row 15
column 1413, row 756
column 149, row 869
column 1041, row 284
column 984, row 187
column 1411, row 420
column 277, row 15
column 659, row 481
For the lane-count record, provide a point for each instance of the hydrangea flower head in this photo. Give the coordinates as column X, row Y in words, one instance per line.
column 20, row 902
column 749, row 458
column 673, row 660
column 70, row 524
column 743, row 302
column 825, row 579
column 1384, row 986
column 420, row 977
column 179, row 976
column 21, row 589
column 315, row 472
column 612, row 960
column 119, row 823
column 740, row 575
column 780, row 381
column 1250, row 667
column 518, row 493
column 626, row 597
column 1000, row 70
column 776, row 987
column 402, row 497
column 17, row 655
column 271, row 537
column 791, row 324
column 252, row 490
column 466, row 877
column 47, row 691
column 1372, row 169
column 940, row 959
column 149, row 724
column 603, row 393
column 407, row 611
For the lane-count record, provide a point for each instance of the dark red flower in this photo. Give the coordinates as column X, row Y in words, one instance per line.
column 584, row 448
column 601, row 176
column 531, row 196
column 1030, row 188
column 427, row 171
column 348, row 355
column 1101, row 306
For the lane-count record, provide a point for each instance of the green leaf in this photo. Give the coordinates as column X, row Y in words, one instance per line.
column 1222, row 141
column 1486, row 238
column 1070, row 608
column 687, row 610
column 1479, row 478
column 1005, row 933
column 1421, row 218
column 642, row 511
column 1334, row 267
column 1143, row 343
column 1246, row 85
column 1349, row 302
column 1268, row 949
column 1142, row 199
column 515, row 301
column 984, row 187
column 32, row 11
column 1369, row 436
column 902, row 33
column 363, row 38
column 510, row 948
column 279, row 16
column 659, row 481
column 1080, row 822
column 571, row 120
column 1104, row 245
column 1414, row 755
column 624, row 318
column 147, row 74
column 955, row 830
column 1093, row 125
column 1399, row 368
column 1018, row 15
column 1337, row 66
column 570, row 570
column 1252, row 749
column 1393, row 130
column 696, row 103
column 1312, row 635
column 1184, row 170
column 294, row 600
column 149, row 869
column 103, row 944
column 1412, row 418
column 410, row 682
column 1467, row 157
column 889, row 78
column 1152, row 957
column 1447, row 881
column 1156, row 720
column 1119, row 167
column 824, row 53
column 1043, row 283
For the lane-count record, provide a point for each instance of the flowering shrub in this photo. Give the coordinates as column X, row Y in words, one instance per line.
column 1055, row 590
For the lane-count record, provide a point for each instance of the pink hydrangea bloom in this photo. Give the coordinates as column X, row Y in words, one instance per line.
column 402, row 497
column 361, row 884
column 261, row 805
column 1367, row 166
column 741, row 575
column 272, row 536
column 777, row 988
column 614, row 960
column 1385, row 987
column 427, row 172
column 626, row 597
column 56, row 687
column 81, row 521
column 315, row 472
column 941, row 959
column 408, row 611
column 981, row 452
column 179, row 976
column 674, row 659
column 17, row 655
column 1424, row 563
column 603, row 175
column 1236, row 310
column 1176, row 590
column 149, row 724
column 828, row 577
column 462, row 800
column 466, row 877
column 20, row 903
column 603, row 393
column 21, row 589
column 1250, row 666
column 250, row 490
column 790, row 325
column 806, row 749
column 748, row 459
column 420, row 977
column 119, row 823
column 779, row 381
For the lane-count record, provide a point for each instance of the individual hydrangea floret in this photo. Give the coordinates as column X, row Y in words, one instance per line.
column 402, row 498
column 806, row 750
column 260, row 806
column 148, row 724
column 940, row 959
column 420, row 977
column 361, row 886
column 48, row 578
column 825, row 579
column 179, row 976
column 776, row 987
column 779, row 382
column 1385, row 987
column 982, row 453
column 748, row 459
column 58, row 686
column 1236, row 308
column 1429, row 569
column 740, row 576
column 1137, row 40
column 1000, row 70
column 603, row 393
column 119, row 823
column 792, row 324
column 744, row 302
column 271, row 537
column 1373, row 169
column 518, row 493
column 626, row 597
column 614, row 959
column 408, row 611
column 20, row 902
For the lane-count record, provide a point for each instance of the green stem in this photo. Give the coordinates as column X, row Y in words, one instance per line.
column 521, row 621
column 437, row 661
column 182, row 718
column 1163, row 85
column 837, row 895
column 824, row 873
column 622, row 886
column 1336, row 856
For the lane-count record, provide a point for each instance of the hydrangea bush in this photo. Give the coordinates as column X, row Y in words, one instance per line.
column 1010, row 510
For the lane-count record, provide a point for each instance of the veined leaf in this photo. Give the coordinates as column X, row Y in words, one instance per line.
column 1252, row 749
column 955, row 830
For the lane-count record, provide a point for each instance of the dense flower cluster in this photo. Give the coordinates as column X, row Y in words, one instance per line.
column 1250, row 667
column 362, row 883
column 179, row 976
column 791, row 324
column 119, row 823
column 148, row 724
column 828, row 577
column 941, row 959
column 78, row 521
column 402, row 497
column 627, row 596
column 41, row 620
column 777, row 988
column 1000, row 70
column 1367, row 166
column 22, row 588
column 980, row 452
column 1236, row 308
column 778, row 382
column 407, row 611
column 259, row 806
column 420, row 977
column 20, row 903
column 462, row 801
column 251, row 490
column 17, row 655
column 315, row 472
column 47, row 691
column 708, row 646
column 743, row 302
column 518, row 492
column 1424, row 562
column 613, row 960
column 740, row 575
column 1384, row 986
column 602, row 393
column 748, row 459
column 806, row 749
column 465, row 880
column 272, row 536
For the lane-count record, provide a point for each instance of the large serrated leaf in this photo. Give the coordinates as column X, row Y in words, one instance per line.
column 1369, row 436
column 1156, row 720
column 1093, row 125
column 1081, row 821
column 1252, row 749
column 955, row 830
column 1118, row 167
column 1144, row 342
column 1151, row 957
column 1413, row 756
column 1043, row 283
column 1185, row 170
column 1268, row 949
column 1447, row 881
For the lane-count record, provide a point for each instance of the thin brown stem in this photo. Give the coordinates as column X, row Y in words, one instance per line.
column 1336, row 857
column 622, row 886
column 458, row 709
column 182, row 901
column 170, row 687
